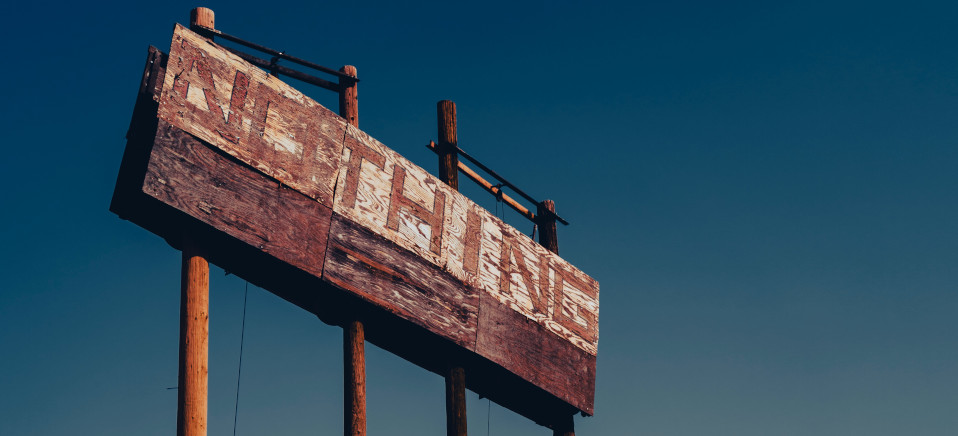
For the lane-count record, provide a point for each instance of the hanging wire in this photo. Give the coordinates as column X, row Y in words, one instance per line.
column 500, row 206
column 239, row 371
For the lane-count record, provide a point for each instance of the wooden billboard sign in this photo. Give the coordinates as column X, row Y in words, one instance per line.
column 284, row 192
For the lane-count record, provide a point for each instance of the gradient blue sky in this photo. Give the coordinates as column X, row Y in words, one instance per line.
column 766, row 192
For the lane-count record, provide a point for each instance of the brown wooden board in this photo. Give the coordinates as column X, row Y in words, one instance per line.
column 290, row 196
column 193, row 178
column 401, row 282
column 526, row 348
column 214, row 95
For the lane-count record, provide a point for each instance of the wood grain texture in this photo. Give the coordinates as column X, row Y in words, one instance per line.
column 548, row 236
column 401, row 282
column 448, row 141
column 273, row 128
column 349, row 97
column 240, row 109
column 354, row 379
column 400, row 240
column 203, row 17
column 526, row 348
column 192, row 178
column 456, row 423
column 194, row 344
column 539, row 285
column 372, row 175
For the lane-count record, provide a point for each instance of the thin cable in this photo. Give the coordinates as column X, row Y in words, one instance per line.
column 239, row 371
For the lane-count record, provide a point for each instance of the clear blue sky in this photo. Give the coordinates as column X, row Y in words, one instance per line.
column 767, row 193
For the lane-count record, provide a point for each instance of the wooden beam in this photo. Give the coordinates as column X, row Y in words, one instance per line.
column 354, row 335
column 349, row 97
column 202, row 17
column 449, row 174
column 402, row 283
column 448, row 142
column 564, row 427
column 456, row 402
column 194, row 320
column 194, row 344
column 547, row 226
column 354, row 392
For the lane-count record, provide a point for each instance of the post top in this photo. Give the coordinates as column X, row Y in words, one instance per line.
column 348, row 69
column 201, row 16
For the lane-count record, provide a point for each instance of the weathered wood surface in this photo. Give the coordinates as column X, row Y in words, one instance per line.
column 376, row 187
column 400, row 201
column 265, row 123
column 448, row 142
column 398, row 237
column 527, row 349
column 195, row 179
column 548, row 237
column 456, row 423
column 194, row 344
column 354, row 351
column 354, row 379
column 349, row 97
column 401, row 282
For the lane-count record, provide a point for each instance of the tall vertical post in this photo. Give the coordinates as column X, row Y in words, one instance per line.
column 448, row 143
column 349, row 97
column 545, row 219
column 564, row 426
column 354, row 392
column 354, row 335
column 191, row 404
column 449, row 173
column 456, row 401
column 202, row 17
column 192, row 383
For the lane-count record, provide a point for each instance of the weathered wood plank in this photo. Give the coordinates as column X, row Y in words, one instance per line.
column 270, row 126
column 401, row 282
column 526, row 348
column 536, row 283
column 265, row 123
column 192, row 178
column 384, row 192
column 275, row 171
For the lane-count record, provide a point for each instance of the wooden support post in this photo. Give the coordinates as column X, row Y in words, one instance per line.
column 564, row 427
column 349, row 97
column 202, row 17
column 354, row 392
column 546, row 221
column 194, row 344
column 354, row 335
column 456, row 402
column 448, row 141
column 449, row 173
column 192, row 384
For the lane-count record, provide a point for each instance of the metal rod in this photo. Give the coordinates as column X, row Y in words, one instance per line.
column 505, row 182
column 262, row 63
column 279, row 54
column 490, row 188
column 494, row 190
